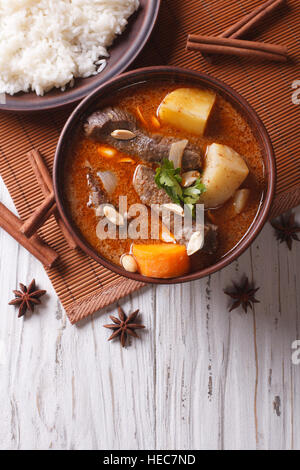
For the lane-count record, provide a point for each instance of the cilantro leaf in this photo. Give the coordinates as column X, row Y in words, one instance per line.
column 194, row 191
column 168, row 178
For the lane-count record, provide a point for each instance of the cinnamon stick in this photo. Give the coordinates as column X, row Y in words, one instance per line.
column 237, row 47
column 252, row 19
column 41, row 182
column 228, row 46
column 39, row 216
column 248, row 22
column 45, row 182
column 12, row 225
column 45, row 178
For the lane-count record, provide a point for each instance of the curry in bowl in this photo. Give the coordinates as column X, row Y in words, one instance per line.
column 171, row 145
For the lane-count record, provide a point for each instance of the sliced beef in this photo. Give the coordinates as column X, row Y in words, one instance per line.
column 146, row 188
column 211, row 242
column 149, row 193
column 146, row 146
column 101, row 124
column 96, row 196
column 210, row 236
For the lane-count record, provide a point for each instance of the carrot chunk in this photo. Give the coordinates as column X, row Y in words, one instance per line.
column 161, row 260
column 141, row 116
column 107, row 152
column 126, row 160
column 155, row 122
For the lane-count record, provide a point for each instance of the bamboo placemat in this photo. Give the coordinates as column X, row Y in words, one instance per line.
column 82, row 285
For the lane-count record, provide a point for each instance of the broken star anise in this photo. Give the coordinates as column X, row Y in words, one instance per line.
column 243, row 294
column 27, row 298
column 124, row 325
column 286, row 229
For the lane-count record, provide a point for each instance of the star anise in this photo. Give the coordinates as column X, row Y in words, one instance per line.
column 286, row 229
column 27, row 298
column 243, row 294
column 124, row 325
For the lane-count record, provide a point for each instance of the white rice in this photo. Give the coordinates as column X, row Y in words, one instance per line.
column 47, row 43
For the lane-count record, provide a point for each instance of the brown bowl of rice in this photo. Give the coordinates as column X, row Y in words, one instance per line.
column 52, row 55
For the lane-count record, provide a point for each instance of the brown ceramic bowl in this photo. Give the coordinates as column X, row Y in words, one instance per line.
column 100, row 96
column 123, row 52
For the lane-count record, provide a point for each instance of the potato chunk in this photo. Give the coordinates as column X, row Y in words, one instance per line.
column 224, row 172
column 240, row 200
column 187, row 109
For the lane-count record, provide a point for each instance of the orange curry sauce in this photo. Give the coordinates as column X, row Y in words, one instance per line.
column 226, row 126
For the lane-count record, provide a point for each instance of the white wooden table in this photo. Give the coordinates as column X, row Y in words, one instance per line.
column 200, row 378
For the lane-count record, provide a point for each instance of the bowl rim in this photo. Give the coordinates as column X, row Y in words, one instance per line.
column 148, row 73
column 76, row 95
